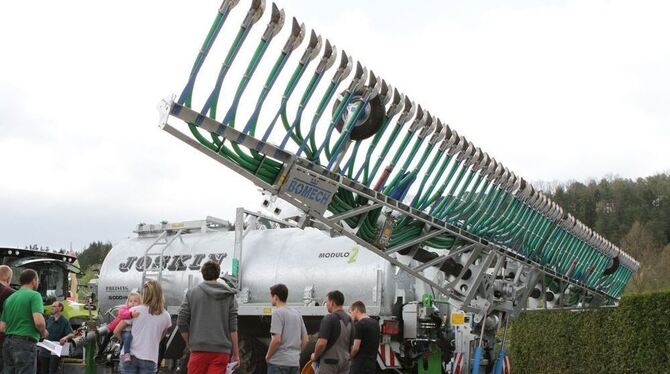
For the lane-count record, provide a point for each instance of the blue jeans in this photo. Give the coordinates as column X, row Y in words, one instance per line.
column 126, row 339
column 137, row 366
column 19, row 356
column 276, row 369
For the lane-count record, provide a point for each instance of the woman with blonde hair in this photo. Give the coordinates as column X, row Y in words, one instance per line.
column 148, row 330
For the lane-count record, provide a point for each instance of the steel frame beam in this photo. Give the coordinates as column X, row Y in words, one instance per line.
column 379, row 200
column 415, row 241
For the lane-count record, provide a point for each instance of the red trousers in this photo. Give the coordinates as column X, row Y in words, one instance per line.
column 208, row 362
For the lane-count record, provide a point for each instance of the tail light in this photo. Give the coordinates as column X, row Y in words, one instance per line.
column 390, row 327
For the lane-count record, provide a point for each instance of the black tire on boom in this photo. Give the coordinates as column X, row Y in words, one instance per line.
column 614, row 264
column 369, row 123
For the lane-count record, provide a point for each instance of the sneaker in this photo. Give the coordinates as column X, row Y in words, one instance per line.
column 126, row 357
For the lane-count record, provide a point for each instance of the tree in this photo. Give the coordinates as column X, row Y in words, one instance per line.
column 640, row 244
column 94, row 254
column 663, row 269
column 633, row 214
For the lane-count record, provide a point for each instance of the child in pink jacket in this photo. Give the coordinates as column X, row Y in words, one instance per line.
column 134, row 299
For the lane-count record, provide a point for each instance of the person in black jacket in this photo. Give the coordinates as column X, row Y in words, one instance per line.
column 366, row 340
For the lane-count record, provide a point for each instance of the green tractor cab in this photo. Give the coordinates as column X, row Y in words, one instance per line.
column 54, row 270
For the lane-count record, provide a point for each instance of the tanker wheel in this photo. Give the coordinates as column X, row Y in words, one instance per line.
column 309, row 349
column 181, row 366
column 252, row 356
column 370, row 121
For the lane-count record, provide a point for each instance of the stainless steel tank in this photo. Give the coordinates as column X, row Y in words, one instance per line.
column 310, row 262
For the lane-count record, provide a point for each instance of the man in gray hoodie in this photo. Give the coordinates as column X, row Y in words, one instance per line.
column 208, row 323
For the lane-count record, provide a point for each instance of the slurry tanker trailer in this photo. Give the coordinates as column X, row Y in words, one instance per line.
column 383, row 200
column 311, row 261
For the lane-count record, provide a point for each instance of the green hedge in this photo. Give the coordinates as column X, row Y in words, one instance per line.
column 631, row 338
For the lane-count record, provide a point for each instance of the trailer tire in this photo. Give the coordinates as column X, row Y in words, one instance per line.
column 252, row 356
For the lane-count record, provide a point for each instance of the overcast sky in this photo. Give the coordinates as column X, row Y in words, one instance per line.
column 557, row 90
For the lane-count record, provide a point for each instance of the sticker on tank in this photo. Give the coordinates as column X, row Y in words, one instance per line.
column 171, row 263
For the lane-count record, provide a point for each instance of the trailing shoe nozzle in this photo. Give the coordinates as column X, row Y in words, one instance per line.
column 467, row 150
column 296, row 37
column 456, row 143
column 449, row 138
column 440, row 132
column 474, row 159
column 428, row 126
column 385, row 93
column 396, row 103
column 495, row 169
column 276, row 23
column 531, row 196
column 312, row 50
column 512, row 182
column 360, row 76
column 343, row 71
column 419, row 119
column 483, row 164
column 408, row 111
column 502, row 176
column 254, row 14
column 373, row 87
column 519, row 186
column 328, row 58
column 227, row 6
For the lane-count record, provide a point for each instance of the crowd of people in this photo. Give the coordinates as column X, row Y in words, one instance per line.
column 346, row 343
column 22, row 325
